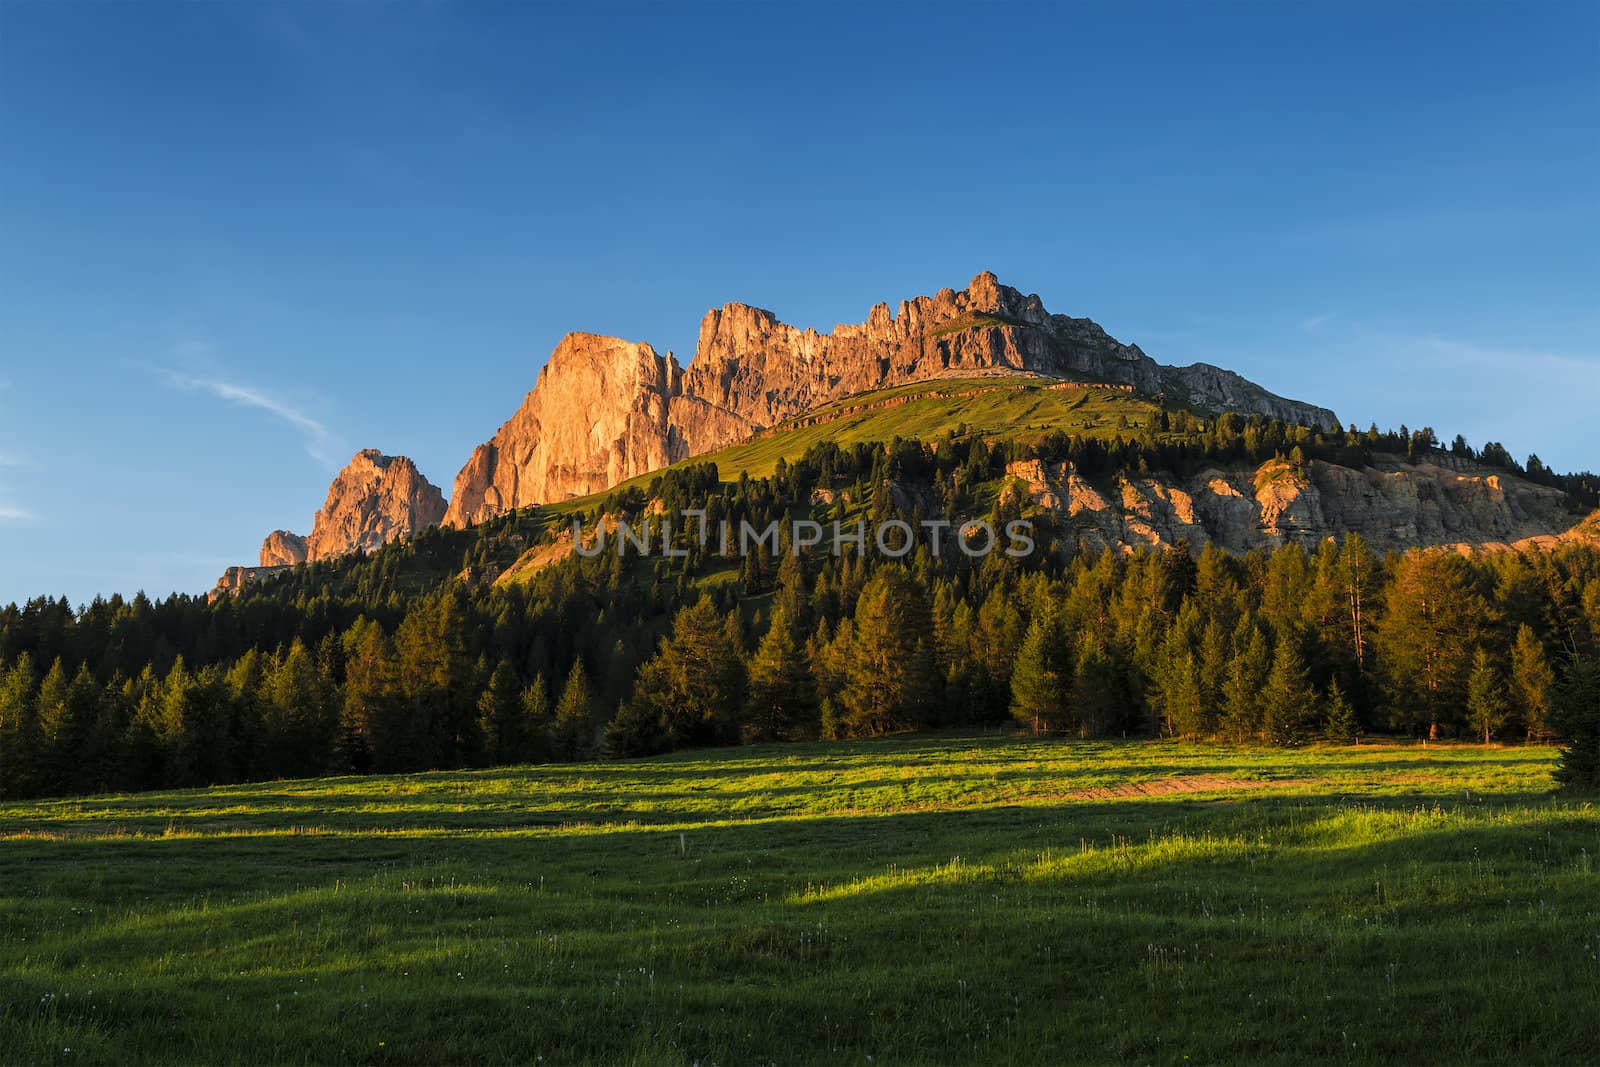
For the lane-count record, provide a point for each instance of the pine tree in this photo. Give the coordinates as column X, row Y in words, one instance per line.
column 1242, row 712
column 500, row 717
column 376, row 730
column 1531, row 683
column 1575, row 715
column 299, row 720
column 782, row 697
column 19, row 731
column 1486, row 702
column 574, row 725
column 695, row 681
column 1340, row 716
column 538, row 724
column 890, row 682
column 1177, row 688
column 1041, row 679
column 1099, row 706
column 637, row 729
column 794, row 597
column 1433, row 618
column 1287, row 700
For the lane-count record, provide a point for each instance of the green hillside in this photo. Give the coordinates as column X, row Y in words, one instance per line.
column 994, row 407
column 909, row 901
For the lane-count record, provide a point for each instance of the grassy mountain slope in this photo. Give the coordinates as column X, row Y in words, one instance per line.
column 995, row 407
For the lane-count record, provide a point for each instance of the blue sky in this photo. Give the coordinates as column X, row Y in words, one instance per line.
column 239, row 241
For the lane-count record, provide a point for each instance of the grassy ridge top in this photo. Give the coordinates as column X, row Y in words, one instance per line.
column 997, row 407
column 911, row 900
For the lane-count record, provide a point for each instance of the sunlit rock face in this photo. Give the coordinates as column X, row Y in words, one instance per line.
column 235, row 579
column 600, row 413
column 766, row 371
column 283, row 549
column 1392, row 504
column 605, row 410
column 374, row 500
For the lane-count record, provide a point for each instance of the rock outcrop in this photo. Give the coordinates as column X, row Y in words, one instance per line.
column 375, row 499
column 765, row 371
column 283, row 549
column 604, row 410
column 234, row 580
column 598, row 415
column 1393, row 505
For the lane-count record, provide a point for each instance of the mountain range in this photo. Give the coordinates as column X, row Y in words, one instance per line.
column 604, row 410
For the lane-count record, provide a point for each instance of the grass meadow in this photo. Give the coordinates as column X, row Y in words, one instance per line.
column 906, row 901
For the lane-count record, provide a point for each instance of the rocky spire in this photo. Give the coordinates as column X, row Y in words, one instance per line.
column 375, row 499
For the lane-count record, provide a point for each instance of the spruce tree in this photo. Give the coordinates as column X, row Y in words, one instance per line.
column 500, row 718
column 574, row 725
column 1486, row 702
column 19, row 731
column 1531, row 683
column 537, row 733
column 695, row 681
column 1041, row 679
column 1340, row 717
column 1242, row 710
column 1099, row 706
column 782, row 696
column 890, row 682
column 1288, row 699
column 1575, row 715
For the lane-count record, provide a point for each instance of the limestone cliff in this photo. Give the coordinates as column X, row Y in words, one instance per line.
column 283, row 549
column 598, row 415
column 375, row 499
column 234, row 580
column 604, row 410
column 765, row 371
column 1393, row 504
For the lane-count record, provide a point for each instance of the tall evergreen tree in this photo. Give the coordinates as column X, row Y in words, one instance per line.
column 19, row 731
column 501, row 721
column 574, row 726
column 1575, row 714
column 1099, row 706
column 1486, row 702
column 782, row 700
column 1288, row 701
column 538, row 724
column 1243, row 711
column 1339, row 716
column 695, row 682
column 1531, row 682
column 1433, row 618
column 891, row 681
column 1041, row 680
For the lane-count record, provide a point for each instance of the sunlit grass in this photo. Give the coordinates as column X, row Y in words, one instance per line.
column 912, row 900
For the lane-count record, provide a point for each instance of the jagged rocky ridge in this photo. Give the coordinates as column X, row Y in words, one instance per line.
column 605, row 410
column 375, row 499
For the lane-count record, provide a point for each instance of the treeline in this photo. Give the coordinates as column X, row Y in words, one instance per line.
column 592, row 658
column 413, row 658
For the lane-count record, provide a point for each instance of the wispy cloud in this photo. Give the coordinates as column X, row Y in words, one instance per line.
column 11, row 514
column 1315, row 322
column 320, row 442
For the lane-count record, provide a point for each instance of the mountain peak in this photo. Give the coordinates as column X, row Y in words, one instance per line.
column 375, row 499
column 605, row 409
